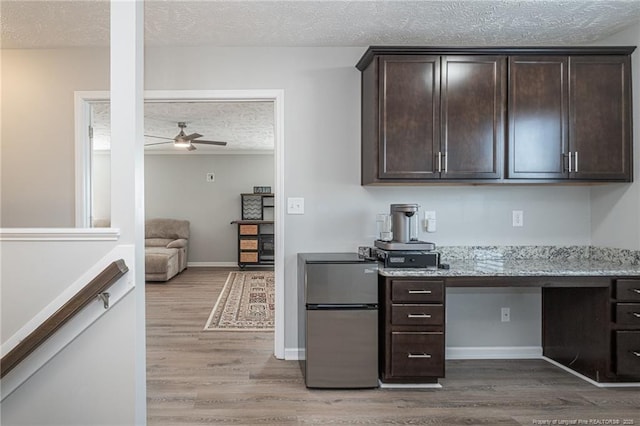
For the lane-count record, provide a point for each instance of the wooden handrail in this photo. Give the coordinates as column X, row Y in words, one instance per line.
column 87, row 294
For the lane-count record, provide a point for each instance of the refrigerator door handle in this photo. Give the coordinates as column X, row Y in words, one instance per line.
column 328, row 306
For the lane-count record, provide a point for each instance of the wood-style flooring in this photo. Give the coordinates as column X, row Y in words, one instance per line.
column 197, row 377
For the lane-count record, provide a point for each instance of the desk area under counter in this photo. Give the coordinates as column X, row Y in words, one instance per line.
column 590, row 313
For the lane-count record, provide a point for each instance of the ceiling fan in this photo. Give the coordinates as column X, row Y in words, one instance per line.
column 183, row 140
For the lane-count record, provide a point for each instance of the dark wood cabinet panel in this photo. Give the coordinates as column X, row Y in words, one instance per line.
column 462, row 115
column 600, row 117
column 417, row 354
column 409, row 108
column 538, row 116
column 472, row 118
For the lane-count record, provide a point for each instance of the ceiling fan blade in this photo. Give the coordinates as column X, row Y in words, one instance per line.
column 191, row 148
column 158, row 137
column 211, row 143
column 158, row 143
column 191, row 137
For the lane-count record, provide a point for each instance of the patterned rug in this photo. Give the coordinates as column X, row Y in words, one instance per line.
column 245, row 304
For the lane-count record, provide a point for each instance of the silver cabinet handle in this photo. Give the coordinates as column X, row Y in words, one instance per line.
column 446, row 162
column 422, row 355
column 429, row 316
column 569, row 161
column 576, row 170
column 636, row 314
column 419, row 291
column 439, row 161
column 636, row 290
column 636, row 353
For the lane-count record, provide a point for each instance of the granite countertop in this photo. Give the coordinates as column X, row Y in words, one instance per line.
column 522, row 268
column 524, row 261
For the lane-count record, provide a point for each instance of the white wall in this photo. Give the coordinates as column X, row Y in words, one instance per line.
column 176, row 187
column 37, row 173
column 615, row 218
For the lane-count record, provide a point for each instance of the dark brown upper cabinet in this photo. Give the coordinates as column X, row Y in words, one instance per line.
column 472, row 116
column 496, row 115
column 569, row 118
column 538, row 117
column 600, row 117
column 433, row 117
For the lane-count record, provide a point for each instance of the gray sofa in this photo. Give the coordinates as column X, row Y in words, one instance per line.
column 166, row 248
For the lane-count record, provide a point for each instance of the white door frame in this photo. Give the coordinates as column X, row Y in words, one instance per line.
column 83, row 178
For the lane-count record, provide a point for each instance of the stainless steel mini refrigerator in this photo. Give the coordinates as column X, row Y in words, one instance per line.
column 340, row 328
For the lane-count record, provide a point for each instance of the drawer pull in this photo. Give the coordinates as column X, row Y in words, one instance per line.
column 636, row 353
column 429, row 316
column 635, row 290
column 635, row 314
column 419, row 291
column 422, row 355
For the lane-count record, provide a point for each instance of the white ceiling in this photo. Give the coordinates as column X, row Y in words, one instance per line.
column 32, row 23
column 48, row 24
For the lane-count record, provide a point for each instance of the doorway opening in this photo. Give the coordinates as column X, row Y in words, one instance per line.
column 85, row 199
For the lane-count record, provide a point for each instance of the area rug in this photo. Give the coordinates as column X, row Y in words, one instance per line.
column 245, row 304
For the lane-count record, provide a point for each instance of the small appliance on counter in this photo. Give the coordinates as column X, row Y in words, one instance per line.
column 398, row 245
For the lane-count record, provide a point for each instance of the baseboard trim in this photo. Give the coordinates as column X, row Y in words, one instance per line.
column 294, row 354
column 593, row 382
column 212, row 264
column 494, row 352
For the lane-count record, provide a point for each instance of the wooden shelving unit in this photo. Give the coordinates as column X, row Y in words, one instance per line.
column 256, row 230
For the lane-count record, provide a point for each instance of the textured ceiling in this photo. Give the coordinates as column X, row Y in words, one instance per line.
column 32, row 23
column 243, row 125
column 48, row 24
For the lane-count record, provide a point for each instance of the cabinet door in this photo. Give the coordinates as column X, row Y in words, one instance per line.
column 409, row 109
column 472, row 116
column 600, row 117
column 538, row 116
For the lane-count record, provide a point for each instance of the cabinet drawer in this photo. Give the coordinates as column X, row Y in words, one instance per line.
column 628, row 353
column 417, row 354
column 417, row 291
column 417, row 314
column 248, row 257
column 249, row 244
column 628, row 313
column 628, row 290
column 248, row 229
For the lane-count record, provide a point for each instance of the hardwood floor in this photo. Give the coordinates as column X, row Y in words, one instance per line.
column 196, row 377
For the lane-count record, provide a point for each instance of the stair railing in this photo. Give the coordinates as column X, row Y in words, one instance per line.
column 96, row 288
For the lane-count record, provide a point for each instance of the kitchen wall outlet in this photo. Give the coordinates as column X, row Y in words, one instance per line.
column 211, row 177
column 295, row 205
column 430, row 221
column 517, row 217
column 505, row 314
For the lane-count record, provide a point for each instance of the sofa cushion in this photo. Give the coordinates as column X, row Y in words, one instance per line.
column 179, row 243
column 166, row 228
column 160, row 260
column 157, row 242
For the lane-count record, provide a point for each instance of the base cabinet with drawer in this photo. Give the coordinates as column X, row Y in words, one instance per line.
column 626, row 328
column 411, row 330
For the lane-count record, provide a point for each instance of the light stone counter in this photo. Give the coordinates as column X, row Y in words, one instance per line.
column 523, row 261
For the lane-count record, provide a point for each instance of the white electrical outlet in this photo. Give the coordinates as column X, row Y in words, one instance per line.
column 517, row 218
column 505, row 314
column 211, row 177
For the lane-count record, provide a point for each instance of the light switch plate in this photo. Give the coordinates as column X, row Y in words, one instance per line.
column 295, row 205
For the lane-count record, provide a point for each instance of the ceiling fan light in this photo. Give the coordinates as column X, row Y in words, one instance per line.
column 182, row 143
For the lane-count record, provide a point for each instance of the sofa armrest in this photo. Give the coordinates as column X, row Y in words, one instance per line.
column 179, row 243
